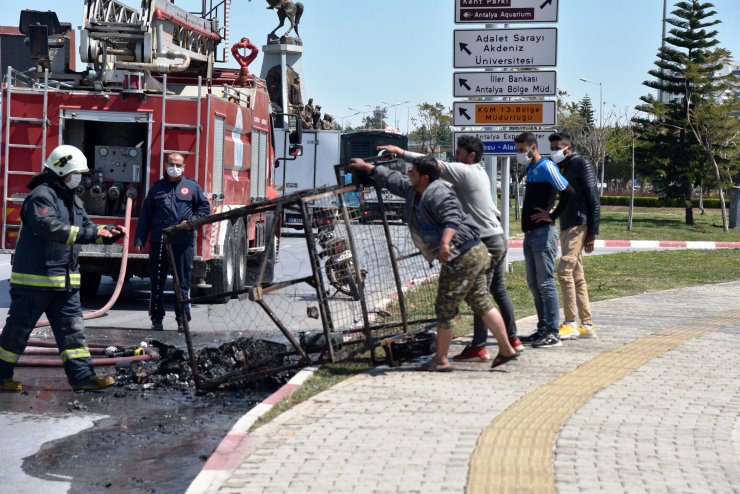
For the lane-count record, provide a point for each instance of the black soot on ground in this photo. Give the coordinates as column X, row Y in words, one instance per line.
column 173, row 371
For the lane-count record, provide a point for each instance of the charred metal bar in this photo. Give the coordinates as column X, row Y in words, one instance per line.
column 394, row 262
column 271, row 236
column 239, row 375
column 391, row 325
column 313, row 255
column 286, row 332
column 181, row 308
column 256, row 208
column 358, row 273
column 408, row 256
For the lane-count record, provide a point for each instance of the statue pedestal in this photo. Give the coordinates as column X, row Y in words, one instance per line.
column 285, row 56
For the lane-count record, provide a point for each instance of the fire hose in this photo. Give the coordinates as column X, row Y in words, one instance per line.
column 100, row 356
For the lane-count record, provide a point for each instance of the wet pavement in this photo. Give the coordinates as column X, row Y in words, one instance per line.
column 113, row 441
column 124, row 439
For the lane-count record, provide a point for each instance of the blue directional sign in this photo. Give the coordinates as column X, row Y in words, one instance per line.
column 501, row 147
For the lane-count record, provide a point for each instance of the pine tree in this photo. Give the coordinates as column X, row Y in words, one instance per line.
column 676, row 158
column 586, row 111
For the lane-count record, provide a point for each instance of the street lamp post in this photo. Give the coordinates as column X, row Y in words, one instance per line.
column 601, row 123
column 359, row 112
column 341, row 119
column 395, row 111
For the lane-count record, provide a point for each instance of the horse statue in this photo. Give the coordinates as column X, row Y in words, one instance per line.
column 286, row 9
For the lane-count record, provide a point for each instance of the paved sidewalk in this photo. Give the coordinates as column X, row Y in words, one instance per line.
column 652, row 405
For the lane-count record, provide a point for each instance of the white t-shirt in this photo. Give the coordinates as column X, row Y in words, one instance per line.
column 473, row 188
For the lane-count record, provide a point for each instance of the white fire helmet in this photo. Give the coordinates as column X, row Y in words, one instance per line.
column 66, row 159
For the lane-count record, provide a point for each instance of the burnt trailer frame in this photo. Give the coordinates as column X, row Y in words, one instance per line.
column 374, row 333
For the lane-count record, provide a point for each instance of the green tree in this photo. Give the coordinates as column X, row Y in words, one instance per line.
column 586, row 111
column 677, row 158
column 376, row 120
column 588, row 139
column 433, row 127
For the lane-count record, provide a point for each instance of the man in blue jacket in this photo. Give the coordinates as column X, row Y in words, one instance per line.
column 545, row 183
column 441, row 230
column 172, row 200
column 46, row 272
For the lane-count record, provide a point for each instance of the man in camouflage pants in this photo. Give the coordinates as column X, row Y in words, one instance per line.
column 441, row 230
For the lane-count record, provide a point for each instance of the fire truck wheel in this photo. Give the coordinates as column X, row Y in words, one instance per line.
column 241, row 248
column 254, row 266
column 221, row 273
column 89, row 284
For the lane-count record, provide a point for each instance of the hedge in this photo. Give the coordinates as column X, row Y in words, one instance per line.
column 658, row 202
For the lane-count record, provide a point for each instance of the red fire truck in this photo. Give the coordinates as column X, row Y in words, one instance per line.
column 150, row 89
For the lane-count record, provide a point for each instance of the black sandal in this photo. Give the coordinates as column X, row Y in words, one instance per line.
column 502, row 359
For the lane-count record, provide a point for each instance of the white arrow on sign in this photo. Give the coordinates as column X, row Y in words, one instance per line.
column 507, row 11
column 535, row 47
column 507, row 114
column 526, row 83
column 502, row 143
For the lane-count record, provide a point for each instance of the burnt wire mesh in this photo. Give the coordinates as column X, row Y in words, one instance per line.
column 344, row 284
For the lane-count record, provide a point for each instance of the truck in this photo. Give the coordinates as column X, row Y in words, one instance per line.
column 322, row 150
column 364, row 143
column 151, row 88
column 313, row 169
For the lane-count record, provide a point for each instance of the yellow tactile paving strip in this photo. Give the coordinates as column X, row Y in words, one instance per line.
column 515, row 452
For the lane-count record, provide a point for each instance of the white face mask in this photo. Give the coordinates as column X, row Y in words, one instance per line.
column 558, row 156
column 523, row 158
column 174, row 171
column 74, row 181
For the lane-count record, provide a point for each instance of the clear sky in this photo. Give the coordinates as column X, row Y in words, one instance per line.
column 366, row 52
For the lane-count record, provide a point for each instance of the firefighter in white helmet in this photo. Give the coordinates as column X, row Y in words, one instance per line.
column 46, row 277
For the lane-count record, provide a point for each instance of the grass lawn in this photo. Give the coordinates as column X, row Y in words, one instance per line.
column 610, row 276
column 654, row 224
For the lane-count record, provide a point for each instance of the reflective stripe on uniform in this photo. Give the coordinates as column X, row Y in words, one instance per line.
column 73, row 231
column 74, row 353
column 59, row 281
column 8, row 356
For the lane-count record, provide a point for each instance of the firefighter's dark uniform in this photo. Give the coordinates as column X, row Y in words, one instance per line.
column 46, row 277
column 169, row 203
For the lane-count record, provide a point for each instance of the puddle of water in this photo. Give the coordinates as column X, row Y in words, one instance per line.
column 141, row 441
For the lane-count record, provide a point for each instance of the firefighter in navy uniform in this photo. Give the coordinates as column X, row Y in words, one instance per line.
column 46, row 276
column 172, row 200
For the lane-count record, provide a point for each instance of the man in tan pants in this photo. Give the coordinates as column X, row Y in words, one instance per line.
column 579, row 225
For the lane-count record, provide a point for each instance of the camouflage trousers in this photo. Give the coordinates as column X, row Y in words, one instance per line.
column 463, row 279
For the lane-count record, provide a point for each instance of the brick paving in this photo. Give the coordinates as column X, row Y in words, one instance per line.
column 670, row 426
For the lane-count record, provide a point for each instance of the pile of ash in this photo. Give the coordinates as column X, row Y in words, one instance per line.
column 172, row 370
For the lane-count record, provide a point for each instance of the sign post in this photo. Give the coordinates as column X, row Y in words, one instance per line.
column 505, row 11
column 505, row 84
column 501, row 143
column 505, row 48
column 506, row 114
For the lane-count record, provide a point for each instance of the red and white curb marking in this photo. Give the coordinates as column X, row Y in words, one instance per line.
column 238, row 443
column 652, row 244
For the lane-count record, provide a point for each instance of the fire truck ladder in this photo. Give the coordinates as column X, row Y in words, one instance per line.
column 9, row 120
column 182, row 127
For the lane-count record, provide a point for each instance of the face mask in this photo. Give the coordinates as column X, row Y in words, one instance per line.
column 74, row 181
column 558, row 156
column 523, row 158
column 174, row 171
